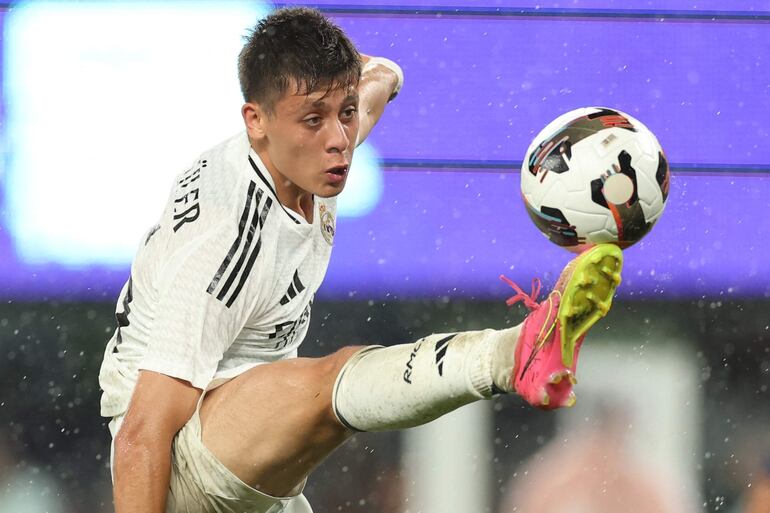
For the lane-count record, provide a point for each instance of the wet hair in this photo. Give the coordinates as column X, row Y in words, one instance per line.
column 296, row 46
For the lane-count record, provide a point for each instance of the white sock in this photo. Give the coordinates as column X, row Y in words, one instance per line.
column 382, row 388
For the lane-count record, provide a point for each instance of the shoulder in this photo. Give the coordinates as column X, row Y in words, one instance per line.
column 211, row 192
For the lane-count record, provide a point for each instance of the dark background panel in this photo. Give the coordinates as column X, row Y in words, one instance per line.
column 49, row 413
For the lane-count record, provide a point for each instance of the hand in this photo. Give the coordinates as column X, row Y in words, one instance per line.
column 384, row 70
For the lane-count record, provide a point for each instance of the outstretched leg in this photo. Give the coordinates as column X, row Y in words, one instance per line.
column 272, row 425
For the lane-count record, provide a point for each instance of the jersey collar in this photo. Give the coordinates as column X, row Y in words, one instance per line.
column 264, row 175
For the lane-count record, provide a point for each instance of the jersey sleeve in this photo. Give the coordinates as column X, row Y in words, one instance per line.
column 206, row 290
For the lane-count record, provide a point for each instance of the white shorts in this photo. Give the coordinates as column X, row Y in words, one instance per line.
column 201, row 484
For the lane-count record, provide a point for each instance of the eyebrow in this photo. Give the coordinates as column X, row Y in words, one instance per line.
column 321, row 102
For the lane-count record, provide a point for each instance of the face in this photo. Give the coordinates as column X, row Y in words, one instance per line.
column 307, row 141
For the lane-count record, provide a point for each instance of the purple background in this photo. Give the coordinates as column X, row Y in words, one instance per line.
column 480, row 88
column 453, row 233
column 477, row 89
column 623, row 5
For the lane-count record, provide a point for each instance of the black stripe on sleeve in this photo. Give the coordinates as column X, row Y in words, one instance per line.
column 245, row 274
column 236, row 243
column 246, row 247
column 253, row 257
column 265, row 210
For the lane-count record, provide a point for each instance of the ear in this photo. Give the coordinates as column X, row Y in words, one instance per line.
column 254, row 117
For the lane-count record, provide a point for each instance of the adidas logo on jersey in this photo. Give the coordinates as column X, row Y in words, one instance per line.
column 295, row 287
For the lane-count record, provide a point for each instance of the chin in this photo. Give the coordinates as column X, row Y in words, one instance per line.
column 329, row 191
column 329, row 194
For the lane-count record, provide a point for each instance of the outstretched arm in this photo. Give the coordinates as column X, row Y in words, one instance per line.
column 381, row 80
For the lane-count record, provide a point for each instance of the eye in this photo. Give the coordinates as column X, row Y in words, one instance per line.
column 349, row 112
column 312, row 121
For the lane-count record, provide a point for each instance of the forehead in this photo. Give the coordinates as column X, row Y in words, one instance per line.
column 298, row 98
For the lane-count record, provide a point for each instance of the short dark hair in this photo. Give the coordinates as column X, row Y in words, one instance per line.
column 300, row 44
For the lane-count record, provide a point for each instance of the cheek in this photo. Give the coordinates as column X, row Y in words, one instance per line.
column 308, row 147
column 303, row 157
column 297, row 152
column 292, row 147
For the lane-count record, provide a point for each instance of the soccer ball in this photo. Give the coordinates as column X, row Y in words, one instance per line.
column 594, row 175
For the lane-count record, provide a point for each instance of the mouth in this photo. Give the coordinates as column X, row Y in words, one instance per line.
column 337, row 173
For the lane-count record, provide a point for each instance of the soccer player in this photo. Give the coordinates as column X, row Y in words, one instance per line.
column 211, row 409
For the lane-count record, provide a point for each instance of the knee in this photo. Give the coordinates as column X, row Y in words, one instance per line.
column 330, row 367
column 333, row 363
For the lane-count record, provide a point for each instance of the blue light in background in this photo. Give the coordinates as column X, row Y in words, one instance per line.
column 106, row 103
column 364, row 185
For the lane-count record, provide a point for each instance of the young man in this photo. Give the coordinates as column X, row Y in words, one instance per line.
column 211, row 409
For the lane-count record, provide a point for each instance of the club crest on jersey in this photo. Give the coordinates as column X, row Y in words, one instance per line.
column 327, row 224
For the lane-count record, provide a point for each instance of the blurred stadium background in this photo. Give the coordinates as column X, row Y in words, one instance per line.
column 104, row 102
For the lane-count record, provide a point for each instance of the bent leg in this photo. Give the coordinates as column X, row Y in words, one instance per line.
column 272, row 425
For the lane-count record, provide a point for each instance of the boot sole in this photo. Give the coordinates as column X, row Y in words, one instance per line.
column 587, row 297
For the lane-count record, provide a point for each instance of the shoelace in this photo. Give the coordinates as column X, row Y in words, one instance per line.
column 529, row 300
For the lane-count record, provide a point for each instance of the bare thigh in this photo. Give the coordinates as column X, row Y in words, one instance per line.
column 272, row 425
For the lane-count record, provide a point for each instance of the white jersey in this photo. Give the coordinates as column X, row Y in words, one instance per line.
column 224, row 282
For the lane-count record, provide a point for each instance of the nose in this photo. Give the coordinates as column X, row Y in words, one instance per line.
column 338, row 140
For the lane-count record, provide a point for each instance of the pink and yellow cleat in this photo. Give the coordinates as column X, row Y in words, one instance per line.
column 550, row 339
